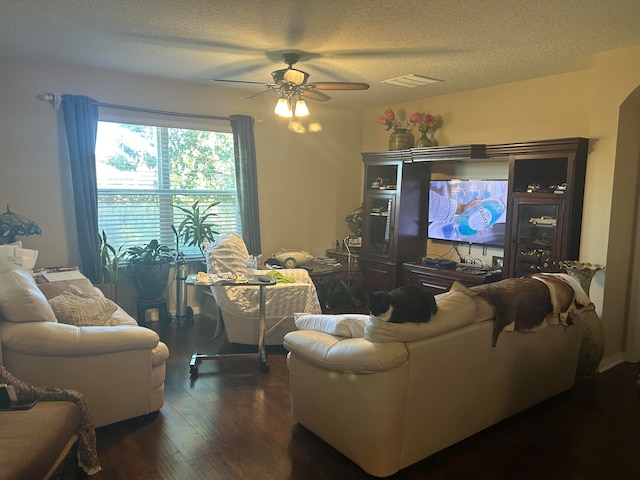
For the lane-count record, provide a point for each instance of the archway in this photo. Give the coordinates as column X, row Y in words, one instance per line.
column 623, row 254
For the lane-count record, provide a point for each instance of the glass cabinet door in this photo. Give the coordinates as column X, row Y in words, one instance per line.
column 379, row 224
column 536, row 237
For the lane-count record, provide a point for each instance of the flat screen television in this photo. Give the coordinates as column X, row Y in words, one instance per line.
column 468, row 211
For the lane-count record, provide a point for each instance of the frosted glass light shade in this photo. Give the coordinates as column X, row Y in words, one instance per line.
column 282, row 108
column 301, row 108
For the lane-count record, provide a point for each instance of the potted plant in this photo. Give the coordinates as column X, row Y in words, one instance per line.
column 107, row 266
column 150, row 265
column 195, row 229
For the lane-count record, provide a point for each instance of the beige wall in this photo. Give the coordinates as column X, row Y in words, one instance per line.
column 579, row 104
column 307, row 183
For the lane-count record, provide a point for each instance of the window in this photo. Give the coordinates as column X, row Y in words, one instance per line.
column 144, row 170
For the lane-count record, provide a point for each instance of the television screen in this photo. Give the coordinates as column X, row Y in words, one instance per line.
column 469, row 211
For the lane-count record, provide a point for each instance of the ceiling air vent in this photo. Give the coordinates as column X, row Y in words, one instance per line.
column 411, row 81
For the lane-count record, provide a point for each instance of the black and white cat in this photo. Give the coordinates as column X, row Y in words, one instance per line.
column 404, row 304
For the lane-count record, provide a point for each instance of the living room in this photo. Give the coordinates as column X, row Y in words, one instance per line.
column 308, row 183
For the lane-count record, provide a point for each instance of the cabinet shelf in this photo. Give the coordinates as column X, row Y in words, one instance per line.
column 554, row 235
column 392, row 229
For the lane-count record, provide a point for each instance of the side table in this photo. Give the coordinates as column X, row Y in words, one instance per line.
column 197, row 358
column 328, row 278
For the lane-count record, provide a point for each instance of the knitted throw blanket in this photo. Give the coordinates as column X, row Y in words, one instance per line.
column 87, row 454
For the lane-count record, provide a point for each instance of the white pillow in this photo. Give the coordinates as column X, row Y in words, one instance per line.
column 346, row 325
column 81, row 308
column 20, row 298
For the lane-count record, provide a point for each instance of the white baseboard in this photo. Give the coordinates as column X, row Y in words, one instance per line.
column 610, row 362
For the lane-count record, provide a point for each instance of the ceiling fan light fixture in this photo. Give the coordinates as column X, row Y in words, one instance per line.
column 282, row 108
column 297, row 77
column 301, row 109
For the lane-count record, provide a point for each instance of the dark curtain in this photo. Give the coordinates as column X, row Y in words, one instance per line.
column 81, row 125
column 247, row 180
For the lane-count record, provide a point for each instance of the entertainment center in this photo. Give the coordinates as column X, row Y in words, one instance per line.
column 539, row 226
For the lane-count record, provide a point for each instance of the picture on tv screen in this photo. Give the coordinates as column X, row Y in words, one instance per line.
column 469, row 211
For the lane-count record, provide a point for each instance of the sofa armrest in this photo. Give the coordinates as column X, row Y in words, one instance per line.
column 59, row 339
column 339, row 354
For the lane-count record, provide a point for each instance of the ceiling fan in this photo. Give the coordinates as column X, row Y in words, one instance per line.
column 290, row 83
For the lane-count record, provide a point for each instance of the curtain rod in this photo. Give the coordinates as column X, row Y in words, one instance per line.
column 55, row 98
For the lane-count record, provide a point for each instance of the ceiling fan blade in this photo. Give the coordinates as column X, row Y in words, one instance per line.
column 269, row 89
column 340, row 85
column 314, row 95
column 236, row 81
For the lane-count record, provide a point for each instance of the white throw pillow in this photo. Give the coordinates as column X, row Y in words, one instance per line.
column 347, row 325
column 20, row 298
column 81, row 308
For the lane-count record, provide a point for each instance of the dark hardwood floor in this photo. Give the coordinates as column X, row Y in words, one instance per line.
column 233, row 422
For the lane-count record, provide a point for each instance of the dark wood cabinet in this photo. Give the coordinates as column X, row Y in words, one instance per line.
column 394, row 210
column 344, row 257
column 544, row 209
column 546, row 189
column 439, row 280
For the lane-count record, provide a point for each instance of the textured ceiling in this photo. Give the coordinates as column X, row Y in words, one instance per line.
column 468, row 44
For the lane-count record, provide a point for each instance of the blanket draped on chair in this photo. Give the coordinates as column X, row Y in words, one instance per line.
column 87, row 453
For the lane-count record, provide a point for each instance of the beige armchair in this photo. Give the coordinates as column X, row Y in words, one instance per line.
column 117, row 365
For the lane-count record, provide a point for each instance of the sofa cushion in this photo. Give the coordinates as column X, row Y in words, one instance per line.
column 20, row 298
column 455, row 309
column 347, row 325
column 354, row 355
column 79, row 307
column 120, row 317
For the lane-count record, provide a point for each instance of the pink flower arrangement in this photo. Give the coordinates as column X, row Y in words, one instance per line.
column 425, row 121
column 389, row 119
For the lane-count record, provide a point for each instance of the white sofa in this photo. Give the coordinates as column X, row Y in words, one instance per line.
column 388, row 395
column 118, row 366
